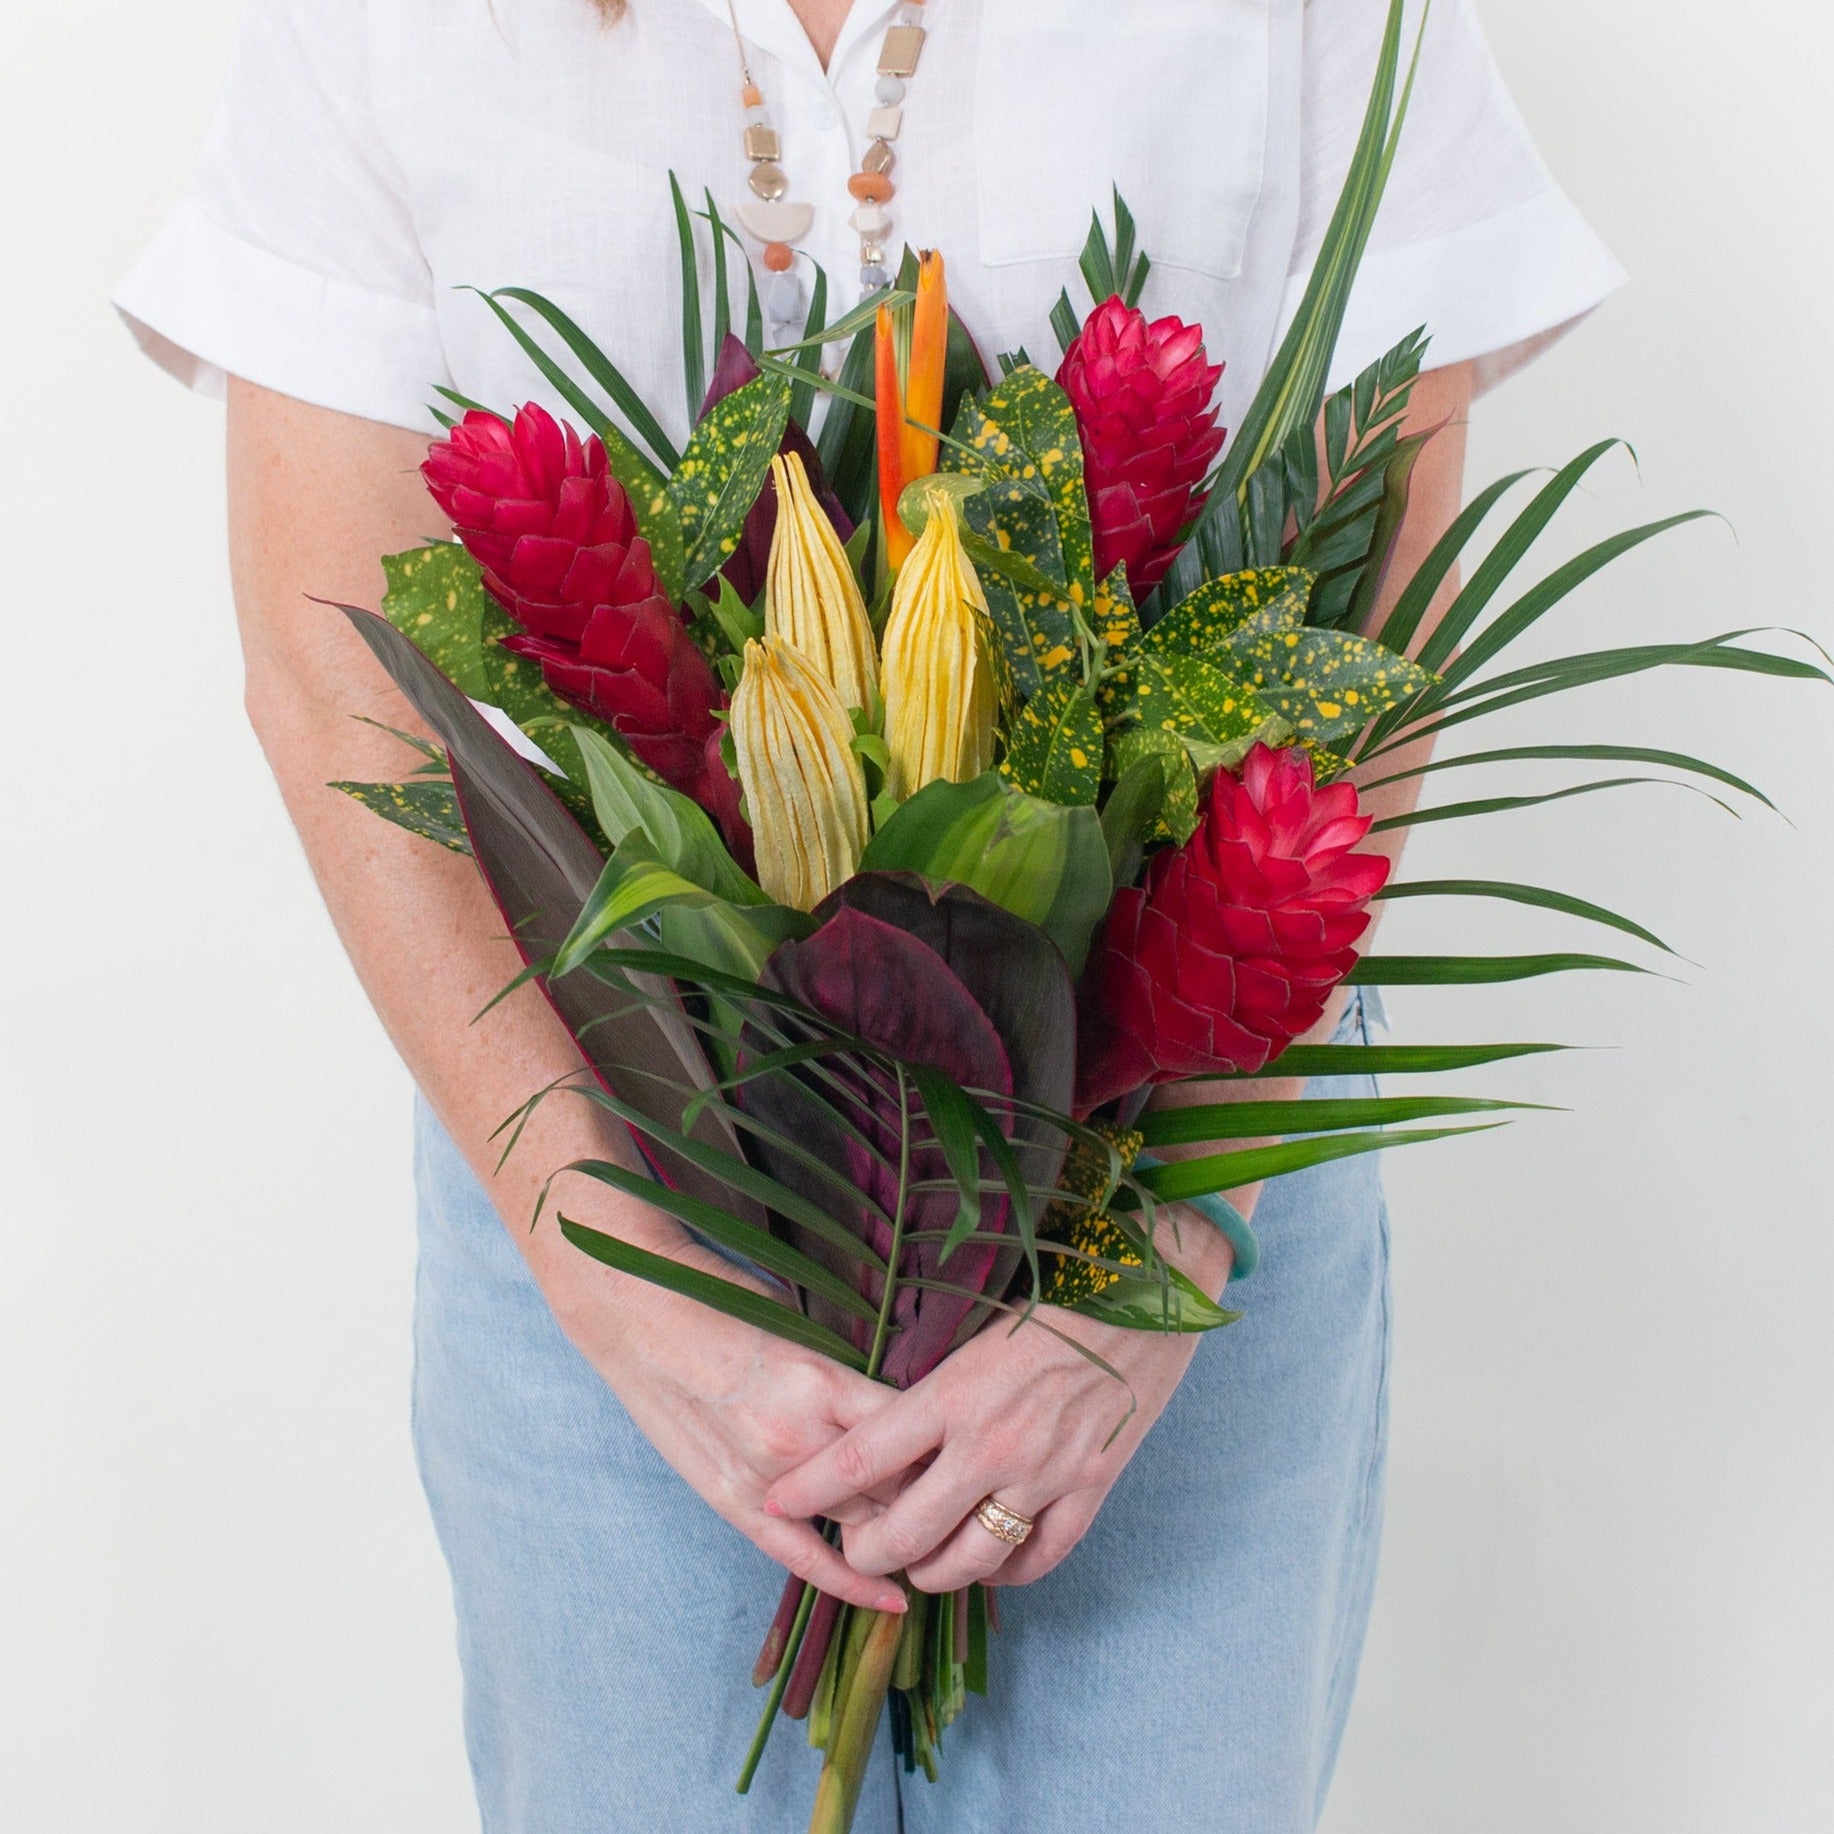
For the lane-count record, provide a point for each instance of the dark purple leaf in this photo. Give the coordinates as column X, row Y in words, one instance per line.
column 541, row 866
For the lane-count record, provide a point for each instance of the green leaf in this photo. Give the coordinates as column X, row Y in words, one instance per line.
column 1025, row 428
column 629, row 801
column 1178, row 806
column 1475, row 970
column 808, row 359
column 1304, row 1062
column 736, row 1301
column 611, row 379
column 1327, row 684
column 1538, row 896
column 1138, row 1302
column 724, row 468
column 1187, row 1178
column 436, row 599
column 1602, row 754
column 1501, row 561
column 1317, row 1060
column 1054, row 747
column 1503, row 805
column 1197, row 1126
column 636, row 885
column 1565, row 673
column 1039, row 860
column 774, row 1256
column 1269, row 598
column 952, row 1121
column 1131, row 811
column 845, row 444
column 1403, row 623
column 425, row 807
column 1522, row 615
column 693, row 356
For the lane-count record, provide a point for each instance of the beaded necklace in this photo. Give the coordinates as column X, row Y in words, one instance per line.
column 779, row 221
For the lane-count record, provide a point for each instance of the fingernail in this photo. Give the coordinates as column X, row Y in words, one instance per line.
column 772, row 1507
column 893, row 1600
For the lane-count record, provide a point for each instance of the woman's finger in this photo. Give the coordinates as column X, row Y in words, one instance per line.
column 870, row 1454
column 931, row 1510
column 799, row 1549
column 1059, row 1529
column 974, row 1551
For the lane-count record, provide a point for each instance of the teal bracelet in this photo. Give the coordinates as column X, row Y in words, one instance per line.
column 1230, row 1223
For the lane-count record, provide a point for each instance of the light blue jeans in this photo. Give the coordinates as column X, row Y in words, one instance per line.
column 1189, row 1667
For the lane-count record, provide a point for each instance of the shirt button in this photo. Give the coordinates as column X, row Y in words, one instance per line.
column 827, row 117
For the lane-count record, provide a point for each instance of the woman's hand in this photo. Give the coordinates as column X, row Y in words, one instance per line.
column 1022, row 1416
column 730, row 1407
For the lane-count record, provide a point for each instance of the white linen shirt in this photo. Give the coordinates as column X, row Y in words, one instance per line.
column 373, row 159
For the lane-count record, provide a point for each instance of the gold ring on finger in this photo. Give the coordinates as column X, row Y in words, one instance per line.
column 1004, row 1524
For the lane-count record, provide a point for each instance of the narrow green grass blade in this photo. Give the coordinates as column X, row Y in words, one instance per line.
column 1187, row 1178
column 952, row 1121
column 1537, row 895
column 1197, row 1126
column 1580, row 754
column 1306, row 1061
column 726, row 1296
column 1569, row 672
column 1502, row 805
column 849, row 325
column 1403, row 623
column 604, row 372
column 722, row 301
column 693, row 355
column 1476, row 970
column 717, row 1225
column 1502, row 560
column 1522, row 615
column 743, row 1176
column 808, row 358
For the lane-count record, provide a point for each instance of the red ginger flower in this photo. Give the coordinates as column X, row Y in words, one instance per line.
column 1142, row 394
column 1230, row 949
column 556, row 536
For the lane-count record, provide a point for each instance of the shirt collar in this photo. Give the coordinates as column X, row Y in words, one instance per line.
column 772, row 25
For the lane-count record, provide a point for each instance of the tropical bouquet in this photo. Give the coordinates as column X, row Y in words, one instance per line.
column 905, row 791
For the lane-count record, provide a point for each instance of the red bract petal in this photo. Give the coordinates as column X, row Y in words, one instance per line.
column 1143, row 399
column 1233, row 945
column 559, row 543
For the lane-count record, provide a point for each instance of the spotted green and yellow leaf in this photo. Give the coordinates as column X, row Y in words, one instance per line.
column 427, row 807
column 1178, row 813
column 1267, row 598
column 436, row 599
column 723, row 470
column 1054, row 748
column 1328, row 684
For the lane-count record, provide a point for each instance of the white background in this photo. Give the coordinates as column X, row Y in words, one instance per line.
column 1608, row 1599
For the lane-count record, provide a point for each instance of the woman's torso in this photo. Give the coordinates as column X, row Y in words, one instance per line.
column 536, row 148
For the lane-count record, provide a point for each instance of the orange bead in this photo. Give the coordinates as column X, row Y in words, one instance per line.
column 870, row 187
column 778, row 256
column 752, row 96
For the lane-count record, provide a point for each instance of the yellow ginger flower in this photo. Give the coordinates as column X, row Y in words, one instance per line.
column 941, row 696
column 804, row 789
column 814, row 599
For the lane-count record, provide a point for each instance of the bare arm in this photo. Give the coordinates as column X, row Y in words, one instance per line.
column 315, row 499
column 1022, row 1415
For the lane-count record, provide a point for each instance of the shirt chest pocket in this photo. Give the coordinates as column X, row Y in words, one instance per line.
column 1166, row 99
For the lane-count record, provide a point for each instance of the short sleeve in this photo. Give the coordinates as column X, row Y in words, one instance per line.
column 292, row 261
column 1474, row 240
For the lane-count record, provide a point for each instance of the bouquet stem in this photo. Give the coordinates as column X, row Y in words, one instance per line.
column 859, row 1701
